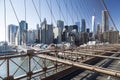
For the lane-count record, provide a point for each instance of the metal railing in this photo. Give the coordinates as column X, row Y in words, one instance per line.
column 27, row 67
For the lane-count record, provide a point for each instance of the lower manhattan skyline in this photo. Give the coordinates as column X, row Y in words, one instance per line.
column 67, row 11
column 59, row 40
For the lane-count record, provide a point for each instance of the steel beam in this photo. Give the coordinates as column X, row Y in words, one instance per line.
column 84, row 66
column 91, row 55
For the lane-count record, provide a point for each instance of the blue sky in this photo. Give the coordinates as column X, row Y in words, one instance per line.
column 75, row 11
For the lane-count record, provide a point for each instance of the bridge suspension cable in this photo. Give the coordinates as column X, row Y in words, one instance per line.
column 60, row 11
column 51, row 11
column 76, row 6
column 5, row 20
column 36, row 11
column 14, row 11
column 80, row 13
column 64, row 1
column 88, row 12
column 83, row 6
column 72, row 11
column 105, row 7
column 5, row 17
column 40, row 8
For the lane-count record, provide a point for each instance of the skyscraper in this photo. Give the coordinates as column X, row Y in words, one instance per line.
column 31, row 36
column 46, row 32
column 83, row 25
column 75, row 27
column 60, row 25
column 38, row 29
column 22, row 33
column 12, row 31
column 49, row 34
column 98, row 28
column 43, row 31
column 78, row 24
column 105, row 25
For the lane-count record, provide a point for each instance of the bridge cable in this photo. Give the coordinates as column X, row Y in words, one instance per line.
column 74, row 8
column 14, row 11
column 5, row 19
column 40, row 9
column 36, row 11
column 105, row 7
column 88, row 11
column 72, row 13
column 78, row 7
column 60, row 11
column 81, row 7
column 87, row 16
column 97, row 17
column 77, row 10
column 68, row 11
column 51, row 11
column 80, row 15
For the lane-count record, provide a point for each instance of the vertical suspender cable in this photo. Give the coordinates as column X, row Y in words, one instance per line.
column 5, row 19
column 25, row 20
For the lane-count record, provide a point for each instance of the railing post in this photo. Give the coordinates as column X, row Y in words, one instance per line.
column 56, row 66
column 44, row 68
column 8, row 68
column 29, row 67
column 8, row 77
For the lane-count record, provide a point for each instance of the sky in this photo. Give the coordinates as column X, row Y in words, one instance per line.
column 70, row 11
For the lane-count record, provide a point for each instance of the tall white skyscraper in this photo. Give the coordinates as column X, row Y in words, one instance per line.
column 93, row 25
